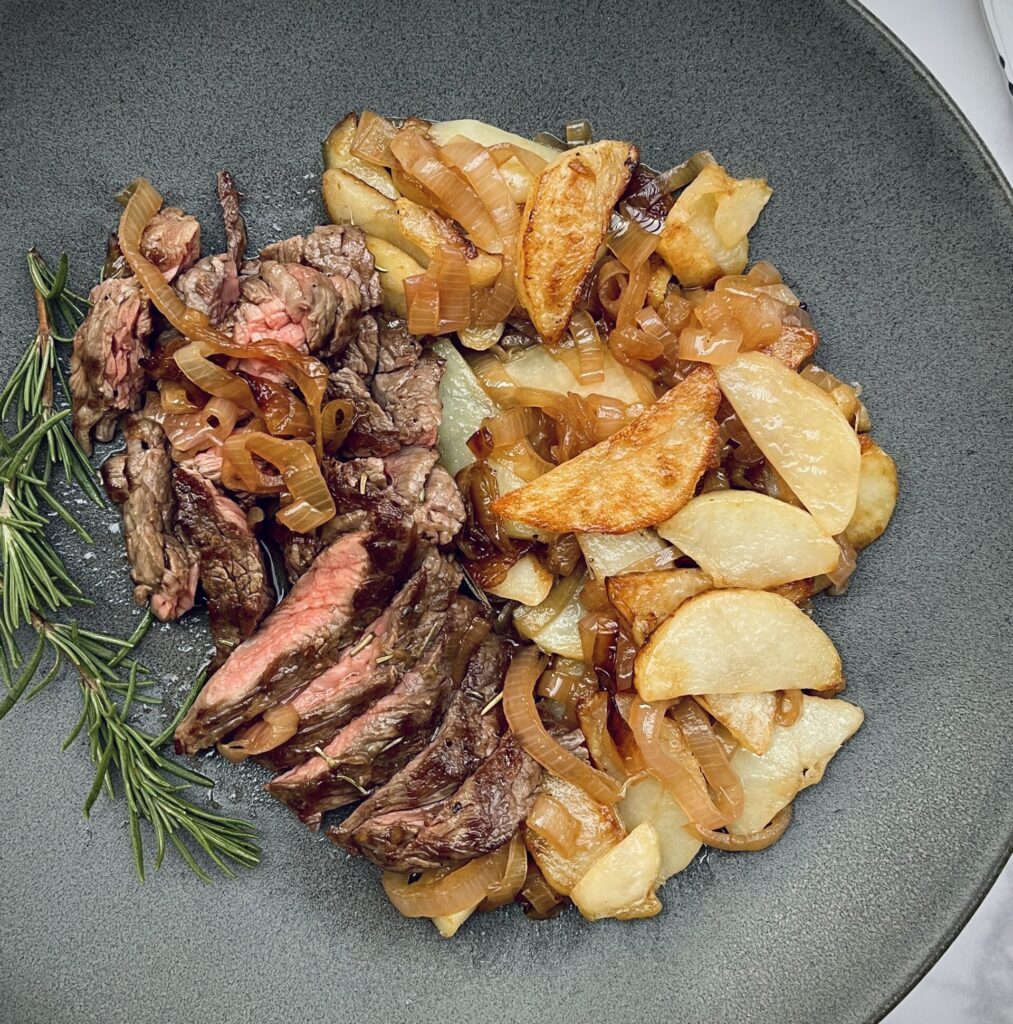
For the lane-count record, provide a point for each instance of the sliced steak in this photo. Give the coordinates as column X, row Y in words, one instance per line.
column 381, row 344
column 340, row 252
column 292, row 303
column 372, row 747
column 373, row 666
column 345, row 588
column 231, row 567
column 430, row 491
column 106, row 376
column 411, row 398
column 480, row 817
column 140, row 480
column 171, row 240
column 373, row 431
column 232, row 217
column 211, row 286
column 464, row 739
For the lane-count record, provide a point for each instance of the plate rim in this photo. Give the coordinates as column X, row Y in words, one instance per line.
column 960, row 920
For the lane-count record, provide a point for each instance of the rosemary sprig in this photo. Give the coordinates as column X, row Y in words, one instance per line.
column 35, row 584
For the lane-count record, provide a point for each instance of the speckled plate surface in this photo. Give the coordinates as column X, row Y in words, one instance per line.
column 887, row 218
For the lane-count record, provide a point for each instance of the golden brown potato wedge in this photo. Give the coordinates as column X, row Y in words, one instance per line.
column 736, row 641
column 749, row 717
column 621, row 882
column 640, row 476
column 645, row 599
column 599, row 831
column 428, row 232
column 706, row 232
column 337, row 155
column 393, row 265
column 794, row 348
column 565, row 220
column 877, row 495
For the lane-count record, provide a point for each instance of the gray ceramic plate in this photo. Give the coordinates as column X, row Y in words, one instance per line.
column 892, row 223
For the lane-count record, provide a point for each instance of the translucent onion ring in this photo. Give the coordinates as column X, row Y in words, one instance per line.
column 753, row 841
column 710, row 755
column 525, row 723
column 514, row 873
column 550, row 820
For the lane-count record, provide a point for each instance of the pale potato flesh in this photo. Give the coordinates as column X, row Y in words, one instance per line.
column 527, row 581
column 559, row 633
column 797, row 758
column 706, row 231
column 877, row 495
column 747, row 539
column 599, row 829
column 565, row 221
column 337, row 155
column 749, row 717
column 648, row 801
column 610, row 554
column 393, row 265
column 620, row 884
column 638, row 477
column 736, row 641
column 465, row 405
column 801, row 432
column 646, row 598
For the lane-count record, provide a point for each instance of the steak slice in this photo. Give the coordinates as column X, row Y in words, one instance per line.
column 232, row 217
column 430, row 492
column 465, row 738
column 411, row 398
column 171, row 240
column 163, row 570
column 345, row 588
column 373, row 431
column 480, row 817
column 381, row 343
column 340, row 252
column 211, row 286
column 106, row 376
column 372, row 747
column 367, row 671
column 231, row 568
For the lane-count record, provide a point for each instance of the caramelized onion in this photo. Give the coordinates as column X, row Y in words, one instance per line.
column 608, row 649
column 454, row 194
column 542, row 901
column 337, row 418
column 593, row 714
column 514, row 873
column 422, row 296
column 371, row 141
column 451, row 893
column 175, row 398
column 789, row 708
column 563, row 555
column 212, row 378
column 555, row 824
column 634, row 296
column 454, row 287
column 631, row 244
column 495, row 380
column 283, row 413
column 567, row 684
column 208, row 426
column 840, row 576
column 710, row 755
column 632, row 345
column 612, row 278
column 522, row 717
column 697, row 345
column 655, row 328
column 667, row 756
column 753, row 841
column 590, row 350
column 276, row 726
column 311, row 502
column 524, row 461
column 503, row 151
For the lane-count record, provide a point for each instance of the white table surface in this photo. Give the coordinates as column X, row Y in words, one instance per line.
column 973, row 982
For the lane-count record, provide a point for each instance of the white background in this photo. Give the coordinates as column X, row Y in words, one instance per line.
column 973, row 982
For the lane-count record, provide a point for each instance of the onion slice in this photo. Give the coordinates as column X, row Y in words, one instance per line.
column 525, row 723
column 276, row 726
column 442, row 894
column 549, row 819
column 371, row 141
column 514, row 873
column 759, row 840
column 695, row 725
column 631, row 244
column 590, row 351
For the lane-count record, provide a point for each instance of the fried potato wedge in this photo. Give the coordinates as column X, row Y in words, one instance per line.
column 794, row 348
column 706, row 231
column 747, row 539
column 599, row 829
column 736, row 641
column 621, row 882
column 649, row 801
column 337, row 155
column 428, row 231
column 527, row 581
column 749, row 717
column 393, row 265
column 644, row 599
column 877, row 495
column 797, row 758
column 802, row 433
column 565, row 220
column 640, row 476
column 553, row 624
